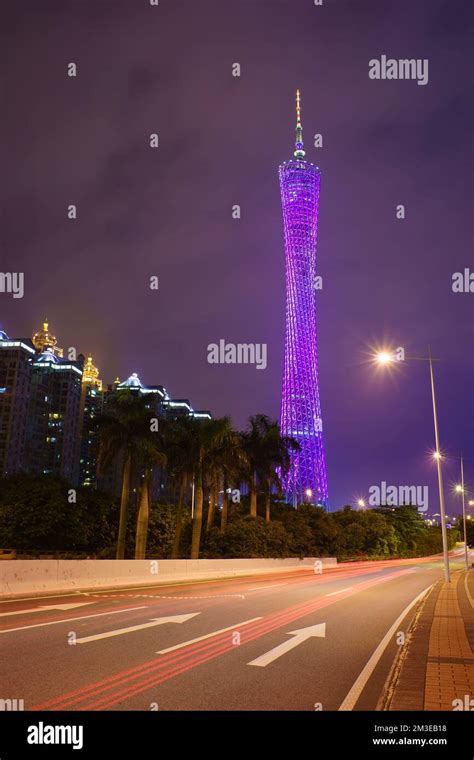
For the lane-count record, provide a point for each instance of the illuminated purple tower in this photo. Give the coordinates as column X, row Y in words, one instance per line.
column 300, row 415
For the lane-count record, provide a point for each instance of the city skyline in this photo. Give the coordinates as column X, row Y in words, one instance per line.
column 168, row 212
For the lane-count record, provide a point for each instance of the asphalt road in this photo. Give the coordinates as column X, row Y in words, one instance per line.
column 120, row 650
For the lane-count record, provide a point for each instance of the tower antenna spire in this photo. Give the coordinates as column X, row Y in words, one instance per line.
column 299, row 151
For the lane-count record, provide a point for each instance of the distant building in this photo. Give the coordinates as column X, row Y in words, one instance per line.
column 15, row 381
column 92, row 402
column 164, row 408
column 49, row 407
column 54, row 417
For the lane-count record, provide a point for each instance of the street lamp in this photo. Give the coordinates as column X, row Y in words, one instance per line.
column 460, row 488
column 386, row 357
column 360, row 503
column 463, row 492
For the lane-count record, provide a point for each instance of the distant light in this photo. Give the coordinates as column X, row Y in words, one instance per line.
column 384, row 357
column 459, row 489
column 437, row 455
column 308, row 492
column 361, row 503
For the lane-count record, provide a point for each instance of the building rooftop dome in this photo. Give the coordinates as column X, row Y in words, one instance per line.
column 43, row 339
column 48, row 356
column 90, row 374
column 131, row 382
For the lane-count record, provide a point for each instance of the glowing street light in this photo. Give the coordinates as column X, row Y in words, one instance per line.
column 385, row 357
column 360, row 503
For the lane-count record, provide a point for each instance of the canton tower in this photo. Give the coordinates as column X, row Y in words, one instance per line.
column 300, row 415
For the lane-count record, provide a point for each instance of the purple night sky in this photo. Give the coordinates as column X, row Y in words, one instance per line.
column 167, row 212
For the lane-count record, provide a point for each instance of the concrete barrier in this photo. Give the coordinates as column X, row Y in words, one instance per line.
column 31, row 577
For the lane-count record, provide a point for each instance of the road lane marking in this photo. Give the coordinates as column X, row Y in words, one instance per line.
column 302, row 634
column 167, row 596
column 208, row 636
column 153, row 622
column 471, row 600
column 359, row 684
column 44, row 608
column 341, row 591
column 274, row 585
column 137, row 679
column 69, row 620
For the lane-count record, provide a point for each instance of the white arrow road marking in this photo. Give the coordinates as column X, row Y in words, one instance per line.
column 70, row 620
column 44, row 608
column 208, row 635
column 298, row 637
column 360, row 683
column 153, row 622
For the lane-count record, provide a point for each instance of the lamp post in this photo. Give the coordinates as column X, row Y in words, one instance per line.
column 387, row 357
column 463, row 491
column 442, row 510
column 461, row 488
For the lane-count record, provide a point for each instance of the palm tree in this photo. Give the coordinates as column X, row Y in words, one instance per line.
column 207, row 438
column 276, row 460
column 213, row 479
column 223, row 465
column 125, row 432
column 149, row 455
column 232, row 464
column 179, row 451
column 253, row 443
column 267, row 454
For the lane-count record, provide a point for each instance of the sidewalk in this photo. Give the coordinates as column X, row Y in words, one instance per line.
column 437, row 667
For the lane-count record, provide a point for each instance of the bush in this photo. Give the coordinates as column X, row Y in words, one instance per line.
column 36, row 515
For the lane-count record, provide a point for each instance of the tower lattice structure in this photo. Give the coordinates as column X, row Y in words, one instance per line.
column 300, row 414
